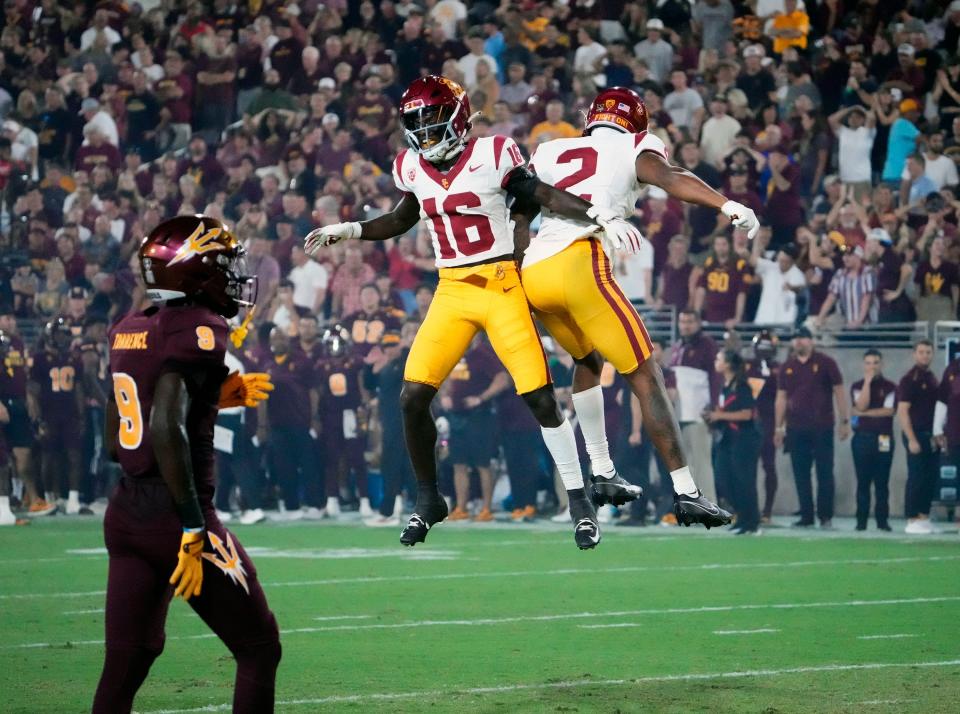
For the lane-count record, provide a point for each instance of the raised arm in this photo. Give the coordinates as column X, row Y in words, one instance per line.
column 653, row 169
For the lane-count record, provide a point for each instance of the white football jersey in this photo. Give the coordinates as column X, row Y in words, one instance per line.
column 601, row 169
column 465, row 207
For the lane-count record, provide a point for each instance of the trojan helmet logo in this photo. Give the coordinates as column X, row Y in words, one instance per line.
column 454, row 87
column 198, row 243
column 609, row 104
column 227, row 559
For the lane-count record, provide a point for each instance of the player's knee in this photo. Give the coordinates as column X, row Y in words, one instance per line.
column 592, row 362
column 415, row 398
column 259, row 659
column 544, row 406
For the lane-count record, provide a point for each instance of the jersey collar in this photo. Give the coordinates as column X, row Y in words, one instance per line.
column 446, row 179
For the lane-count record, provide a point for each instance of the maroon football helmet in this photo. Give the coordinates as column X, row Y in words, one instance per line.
column 619, row 108
column 435, row 113
column 196, row 257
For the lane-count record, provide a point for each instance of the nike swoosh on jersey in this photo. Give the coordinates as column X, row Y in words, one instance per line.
column 474, row 168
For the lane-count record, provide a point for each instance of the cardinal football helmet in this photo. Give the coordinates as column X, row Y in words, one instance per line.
column 435, row 113
column 619, row 108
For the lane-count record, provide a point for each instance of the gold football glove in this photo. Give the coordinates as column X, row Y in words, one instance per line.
column 188, row 577
column 245, row 390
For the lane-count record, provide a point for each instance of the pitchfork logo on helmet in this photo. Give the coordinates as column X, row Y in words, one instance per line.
column 197, row 257
column 619, row 108
column 435, row 113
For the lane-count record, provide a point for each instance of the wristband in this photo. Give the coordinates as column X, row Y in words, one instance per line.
column 193, row 530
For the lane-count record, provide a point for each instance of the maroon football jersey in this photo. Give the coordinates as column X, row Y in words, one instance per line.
column 190, row 340
column 722, row 284
column 13, row 371
column 339, row 380
column 58, row 376
column 366, row 330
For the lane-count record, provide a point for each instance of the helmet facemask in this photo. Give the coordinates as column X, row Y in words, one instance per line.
column 430, row 132
column 239, row 288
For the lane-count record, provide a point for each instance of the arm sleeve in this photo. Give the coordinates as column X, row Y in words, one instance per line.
column 506, row 157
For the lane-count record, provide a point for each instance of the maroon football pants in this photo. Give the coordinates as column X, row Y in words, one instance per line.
column 142, row 534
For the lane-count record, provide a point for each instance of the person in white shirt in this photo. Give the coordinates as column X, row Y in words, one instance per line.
column 309, row 280
column 468, row 63
column 97, row 118
column 449, row 14
column 655, row 51
column 938, row 168
column 99, row 26
column 684, row 105
column 587, row 56
column 719, row 132
column 24, row 144
column 856, row 137
column 634, row 272
column 782, row 280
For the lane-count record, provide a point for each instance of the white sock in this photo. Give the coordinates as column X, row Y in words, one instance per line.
column 683, row 481
column 562, row 445
column 5, row 506
column 589, row 407
column 73, row 497
column 398, row 506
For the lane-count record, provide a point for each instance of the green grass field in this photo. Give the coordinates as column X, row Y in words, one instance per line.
column 515, row 619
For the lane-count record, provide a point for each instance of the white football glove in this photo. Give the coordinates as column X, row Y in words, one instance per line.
column 326, row 236
column 620, row 232
column 741, row 217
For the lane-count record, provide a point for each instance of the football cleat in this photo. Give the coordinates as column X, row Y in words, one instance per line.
column 615, row 490
column 41, row 507
column 692, row 509
column 586, row 533
column 422, row 520
column 485, row 516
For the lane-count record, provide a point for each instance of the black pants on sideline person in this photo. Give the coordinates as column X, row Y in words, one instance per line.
column 241, row 468
column 735, row 459
column 394, row 468
column 521, row 451
column 923, row 472
column 293, row 467
column 808, row 447
column 872, row 458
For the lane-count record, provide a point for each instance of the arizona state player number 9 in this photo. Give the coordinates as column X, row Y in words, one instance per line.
column 128, row 406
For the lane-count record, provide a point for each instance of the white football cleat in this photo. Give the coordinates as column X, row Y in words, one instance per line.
column 252, row 516
column 381, row 521
column 312, row 513
column 562, row 517
column 333, row 507
column 365, row 510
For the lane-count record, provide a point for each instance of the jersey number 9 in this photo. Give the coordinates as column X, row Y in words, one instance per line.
column 128, row 406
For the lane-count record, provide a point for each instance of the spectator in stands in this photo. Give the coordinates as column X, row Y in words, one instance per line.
column 719, row 131
column 916, row 402
column 855, row 138
column 683, row 104
column 712, row 21
column 655, row 51
column 874, row 401
column 783, row 284
column 347, row 281
column 938, row 284
column 916, row 186
column 553, row 127
column 854, row 291
column 309, row 280
column 721, row 292
column 676, row 276
column 902, row 141
column 808, row 384
column 789, row 28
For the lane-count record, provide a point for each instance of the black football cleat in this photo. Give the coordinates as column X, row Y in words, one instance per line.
column 697, row 509
column 422, row 520
column 615, row 489
column 586, row 533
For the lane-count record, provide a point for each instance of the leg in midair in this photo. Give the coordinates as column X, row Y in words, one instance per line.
column 559, row 438
column 661, row 425
column 420, row 434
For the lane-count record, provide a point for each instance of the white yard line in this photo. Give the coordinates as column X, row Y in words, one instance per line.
column 886, row 637
column 486, row 621
column 91, row 611
column 329, row 618
column 576, row 684
column 762, row 630
column 555, row 572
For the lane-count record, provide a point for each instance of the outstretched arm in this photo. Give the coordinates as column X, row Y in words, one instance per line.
column 653, row 169
column 402, row 218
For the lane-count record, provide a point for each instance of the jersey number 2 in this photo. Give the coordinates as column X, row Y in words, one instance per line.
column 128, row 406
column 588, row 167
column 459, row 223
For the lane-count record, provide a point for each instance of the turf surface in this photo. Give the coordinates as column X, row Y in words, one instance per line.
column 515, row 619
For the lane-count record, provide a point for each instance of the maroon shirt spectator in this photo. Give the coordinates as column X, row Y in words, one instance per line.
column 175, row 90
column 201, row 165
column 373, row 104
column 97, row 152
column 662, row 224
column 809, row 386
column 368, row 324
column 919, row 388
column 882, row 395
column 472, row 375
column 286, row 53
column 13, row 375
column 784, row 207
column 721, row 289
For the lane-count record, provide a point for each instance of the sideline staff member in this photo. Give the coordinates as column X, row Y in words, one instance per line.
column 874, row 398
column 807, row 386
column 916, row 400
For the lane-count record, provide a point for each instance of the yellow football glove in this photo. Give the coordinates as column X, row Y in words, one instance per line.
column 239, row 333
column 244, row 390
column 188, row 577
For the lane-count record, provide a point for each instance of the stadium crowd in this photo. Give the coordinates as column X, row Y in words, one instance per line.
column 837, row 122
